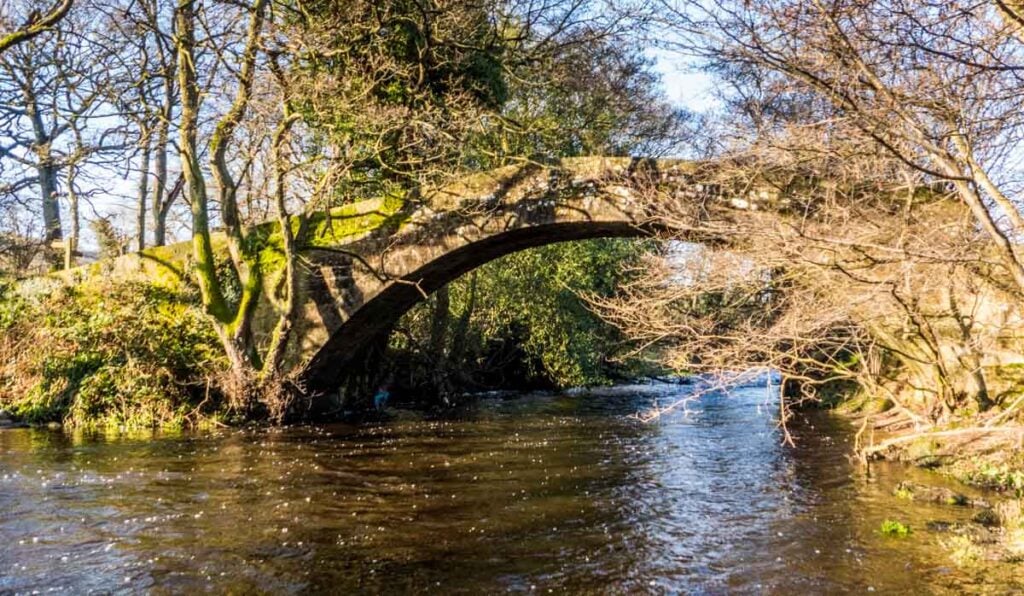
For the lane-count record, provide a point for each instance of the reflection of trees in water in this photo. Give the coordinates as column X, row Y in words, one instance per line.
column 510, row 497
column 563, row 491
column 717, row 470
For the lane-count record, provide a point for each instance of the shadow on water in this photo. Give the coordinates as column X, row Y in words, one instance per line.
column 533, row 493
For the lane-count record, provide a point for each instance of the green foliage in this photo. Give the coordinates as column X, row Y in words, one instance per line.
column 127, row 355
column 526, row 311
column 521, row 319
column 537, row 293
column 11, row 306
column 404, row 92
column 112, row 243
column 597, row 97
column 904, row 492
column 392, row 87
column 895, row 529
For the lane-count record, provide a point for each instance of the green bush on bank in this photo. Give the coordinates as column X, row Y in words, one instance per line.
column 127, row 355
column 538, row 292
column 522, row 321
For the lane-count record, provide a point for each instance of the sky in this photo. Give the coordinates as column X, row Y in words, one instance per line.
column 685, row 86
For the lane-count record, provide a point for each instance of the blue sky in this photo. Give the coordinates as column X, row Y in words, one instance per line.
column 684, row 86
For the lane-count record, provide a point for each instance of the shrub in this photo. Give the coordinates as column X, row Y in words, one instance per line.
column 125, row 355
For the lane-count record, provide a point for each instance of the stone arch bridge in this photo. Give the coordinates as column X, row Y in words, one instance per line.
column 357, row 285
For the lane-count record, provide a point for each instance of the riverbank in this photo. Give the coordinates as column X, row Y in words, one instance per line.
column 127, row 344
column 983, row 457
column 986, row 457
column 985, row 450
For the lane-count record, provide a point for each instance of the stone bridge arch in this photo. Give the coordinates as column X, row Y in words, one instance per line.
column 356, row 288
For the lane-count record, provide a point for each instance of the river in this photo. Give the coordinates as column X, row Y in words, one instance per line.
column 542, row 493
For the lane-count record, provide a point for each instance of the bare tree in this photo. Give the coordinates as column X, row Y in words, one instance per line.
column 934, row 86
column 843, row 285
column 35, row 23
column 55, row 117
column 146, row 99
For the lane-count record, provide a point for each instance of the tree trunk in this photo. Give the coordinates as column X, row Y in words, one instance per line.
column 288, row 311
column 161, row 199
column 436, row 345
column 972, row 357
column 45, row 167
column 143, row 190
column 462, row 324
column 192, row 171
column 159, row 188
column 71, row 244
column 48, row 195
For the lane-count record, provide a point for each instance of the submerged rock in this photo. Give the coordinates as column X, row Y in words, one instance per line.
column 939, row 525
column 986, row 517
column 938, row 494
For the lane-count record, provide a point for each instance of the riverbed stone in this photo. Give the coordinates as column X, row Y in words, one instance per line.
column 938, row 494
column 986, row 517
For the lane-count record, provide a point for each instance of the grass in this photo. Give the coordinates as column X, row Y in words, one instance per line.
column 1006, row 475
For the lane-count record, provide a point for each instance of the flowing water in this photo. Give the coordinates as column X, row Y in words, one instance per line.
column 559, row 494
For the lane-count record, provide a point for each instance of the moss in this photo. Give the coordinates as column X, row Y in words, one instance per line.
column 958, row 500
column 862, row 403
column 352, row 220
column 904, row 492
column 168, row 266
column 837, row 393
column 894, row 529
